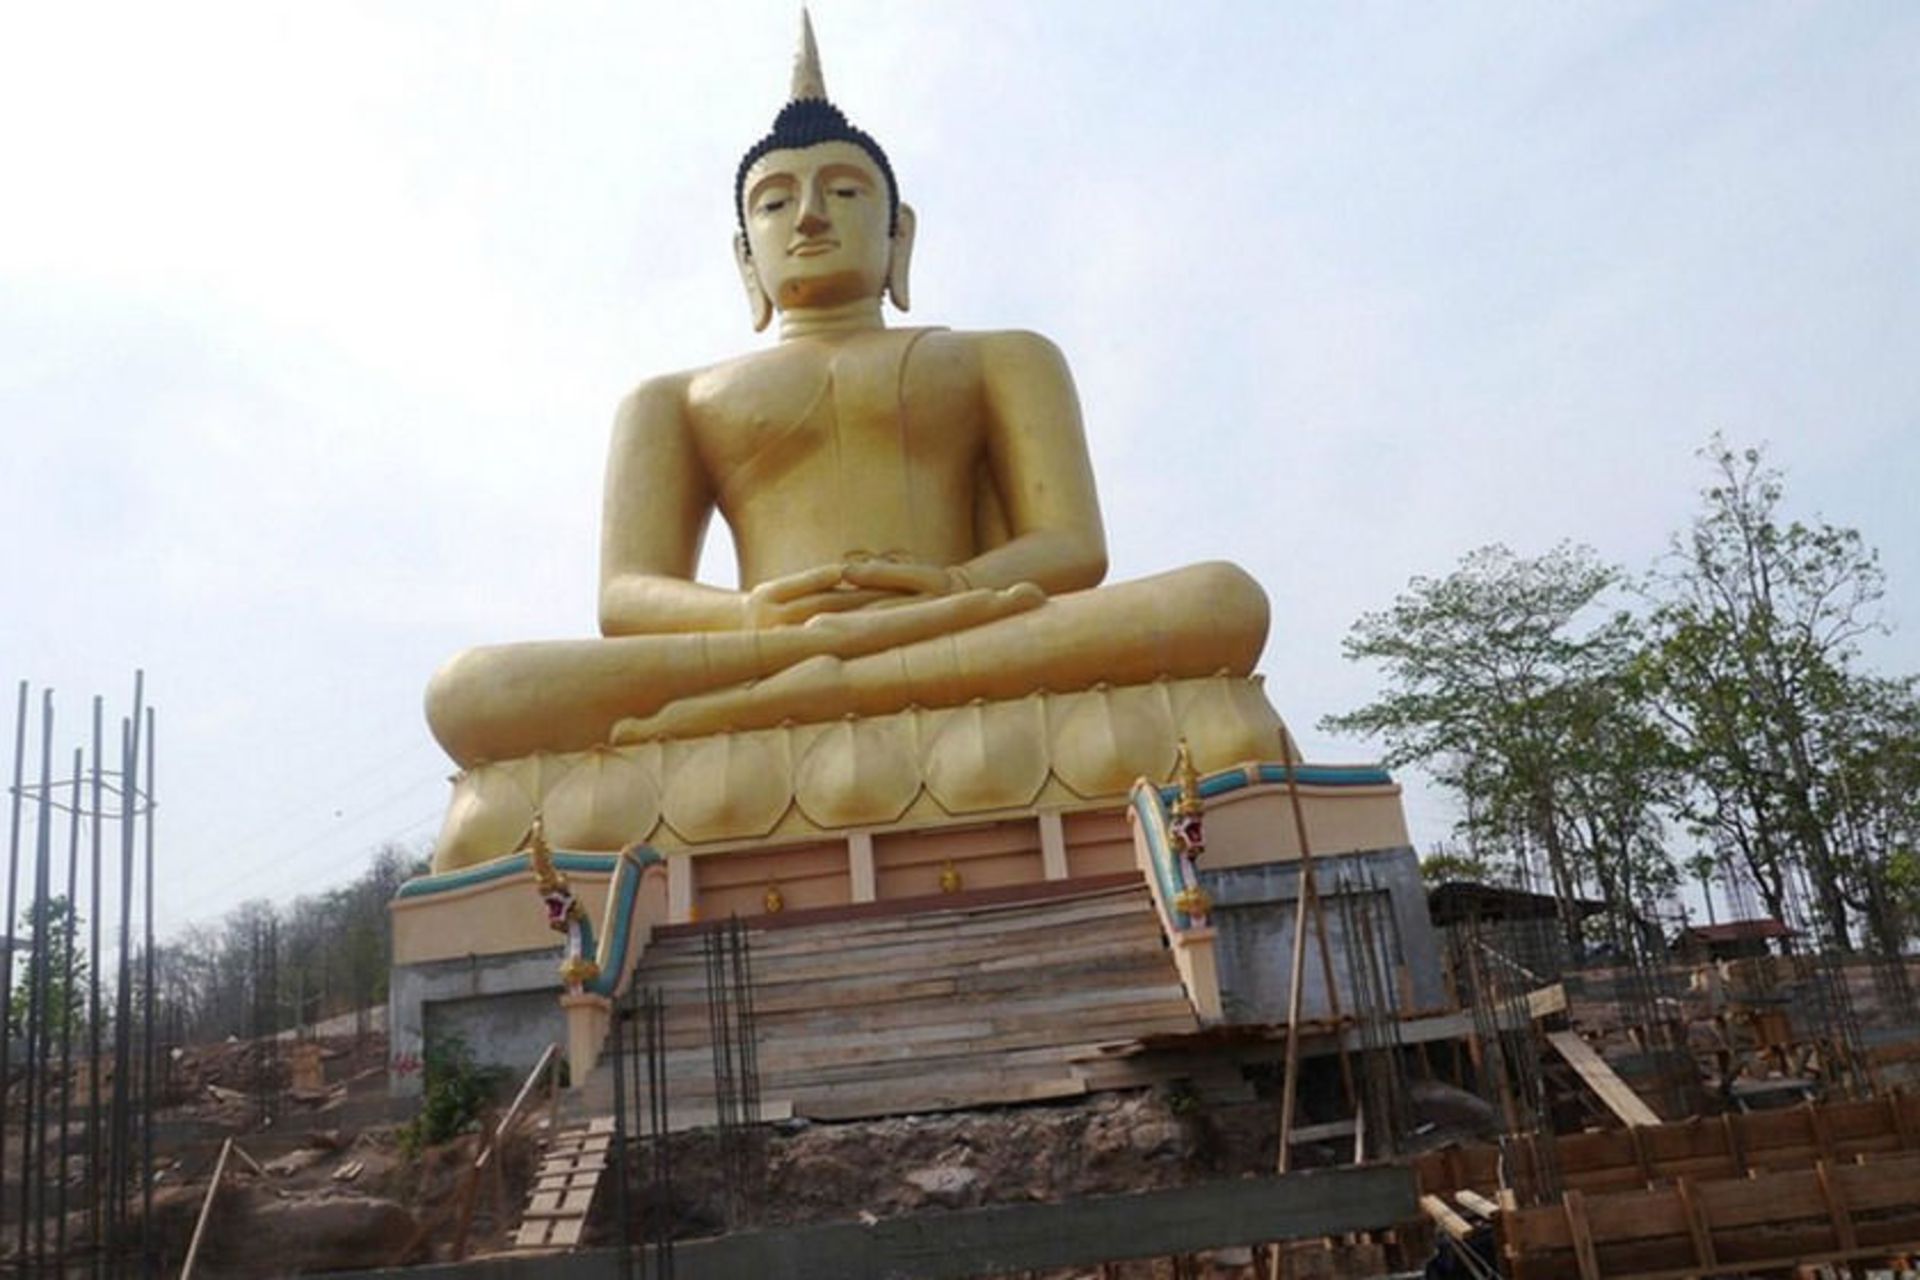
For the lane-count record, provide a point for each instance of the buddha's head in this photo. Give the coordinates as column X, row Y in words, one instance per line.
column 820, row 218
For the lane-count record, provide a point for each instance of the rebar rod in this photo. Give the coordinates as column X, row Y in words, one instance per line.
column 97, row 816
column 30, row 1179
column 67, row 1015
column 122, row 1156
column 18, row 795
column 147, row 1255
column 622, row 1208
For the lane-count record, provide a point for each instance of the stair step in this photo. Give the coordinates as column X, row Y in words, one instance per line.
column 928, row 1011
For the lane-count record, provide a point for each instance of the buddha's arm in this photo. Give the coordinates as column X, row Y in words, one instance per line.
column 1038, row 451
column 658, row 502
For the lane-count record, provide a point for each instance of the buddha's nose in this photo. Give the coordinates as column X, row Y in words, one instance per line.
column 813, row 215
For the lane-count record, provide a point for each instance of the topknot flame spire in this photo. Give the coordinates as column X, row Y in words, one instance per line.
column 808, row 81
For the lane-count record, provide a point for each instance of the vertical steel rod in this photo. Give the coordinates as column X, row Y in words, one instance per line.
column 13, row 882
column 95, row 1186
column 620, row 1174
column 42, row 850
column 147, row 1256
column 67, row 1012
column 123, row 995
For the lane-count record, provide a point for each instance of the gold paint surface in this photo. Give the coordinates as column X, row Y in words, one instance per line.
column 917, row 533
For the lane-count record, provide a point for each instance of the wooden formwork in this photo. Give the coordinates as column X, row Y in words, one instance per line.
column 1829, row 1213
column 1702, row 1148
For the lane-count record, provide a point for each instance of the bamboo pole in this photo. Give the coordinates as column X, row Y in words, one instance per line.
column 470, row 1186
column 1308, row 898
column 206, row 1210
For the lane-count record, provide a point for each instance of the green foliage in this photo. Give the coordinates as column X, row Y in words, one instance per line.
column 1443, row 865
column 333, row 955
column 1752, row 662
column 65, row 997
column 456, row 1093
column 1576, row 731
column 1511, row 680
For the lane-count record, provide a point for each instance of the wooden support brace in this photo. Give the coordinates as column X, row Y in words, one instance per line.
column 1638, row 1136
column 1697, row 1226
column 1574, row 1205
column 1736, row 1144
column 1896, row 1102
column 1846, row 1240
column 1822, row 1132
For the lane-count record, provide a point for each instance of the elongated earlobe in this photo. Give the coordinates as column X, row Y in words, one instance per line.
column 901, row 261
column 757, row 300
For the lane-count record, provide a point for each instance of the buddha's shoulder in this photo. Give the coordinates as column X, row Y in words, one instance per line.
column 996, row 352
column 973, row 350
column 994, row 343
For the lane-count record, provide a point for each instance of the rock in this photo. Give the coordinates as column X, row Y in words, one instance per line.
column 294, row 1161
column 1454, row 1114
column 302, row 1235
column 948, row 1186
column 1156, row 1137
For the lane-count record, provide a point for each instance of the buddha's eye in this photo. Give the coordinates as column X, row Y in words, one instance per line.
column 773, row 204
column 846, row 193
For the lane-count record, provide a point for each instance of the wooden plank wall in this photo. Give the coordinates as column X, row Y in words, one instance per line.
column 1827, row 1213
column 1729, row 1146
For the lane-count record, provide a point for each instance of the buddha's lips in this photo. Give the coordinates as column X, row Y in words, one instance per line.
column 813, row 248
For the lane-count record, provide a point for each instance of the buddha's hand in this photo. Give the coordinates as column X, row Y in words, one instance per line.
column 906, row 579
column 796, row 597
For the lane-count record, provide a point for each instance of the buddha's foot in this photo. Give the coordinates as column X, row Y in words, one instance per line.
column 810, row 690
column 818, row 688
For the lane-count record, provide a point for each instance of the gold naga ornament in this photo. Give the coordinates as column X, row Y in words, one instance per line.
column 565, row 915
column 1187, row 834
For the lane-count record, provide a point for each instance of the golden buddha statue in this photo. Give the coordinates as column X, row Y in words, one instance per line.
column 913, row 511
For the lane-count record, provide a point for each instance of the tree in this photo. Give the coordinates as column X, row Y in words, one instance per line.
column 332, row 952
column 1755, row 633
column 65, row 992
column 1443, row 864
column 1512, row 681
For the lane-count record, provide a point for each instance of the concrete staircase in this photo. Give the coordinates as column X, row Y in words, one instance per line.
column 973, row 1004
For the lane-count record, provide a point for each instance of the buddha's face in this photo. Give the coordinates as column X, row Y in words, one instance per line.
column 817, row 225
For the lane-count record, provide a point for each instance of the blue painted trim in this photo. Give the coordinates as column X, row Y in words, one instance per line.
column 513, row 864
column 1152, row 811
column 1329, row 776
column 623, row 897
column 1313, row 775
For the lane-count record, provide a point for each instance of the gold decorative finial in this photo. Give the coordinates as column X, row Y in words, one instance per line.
column 808, row 81
column 949, row 877
column 540, row 858
column 1189, row 801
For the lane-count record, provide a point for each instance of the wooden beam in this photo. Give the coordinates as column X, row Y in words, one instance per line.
column 1602, row 1079
column 1445, row 1218
column 1544, row 1002
column 1478, row 1203
column 1009, row 1238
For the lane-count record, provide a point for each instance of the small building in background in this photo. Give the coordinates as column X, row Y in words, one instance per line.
column 1734, row 940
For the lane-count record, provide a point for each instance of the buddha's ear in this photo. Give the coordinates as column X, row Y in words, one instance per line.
column 901, row 261
column 757, row 300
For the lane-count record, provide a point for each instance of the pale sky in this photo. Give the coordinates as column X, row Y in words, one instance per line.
column 313, row 319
